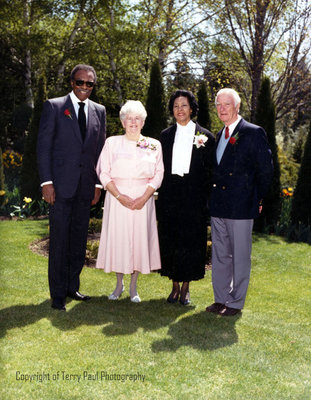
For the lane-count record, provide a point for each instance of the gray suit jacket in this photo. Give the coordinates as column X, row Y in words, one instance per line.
column 62, row 155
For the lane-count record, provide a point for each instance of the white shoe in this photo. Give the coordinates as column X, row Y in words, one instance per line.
column 135, row 299
column 114, row 297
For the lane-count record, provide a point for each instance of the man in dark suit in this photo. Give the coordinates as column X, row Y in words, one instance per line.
column 71, row 136
column 242, row 174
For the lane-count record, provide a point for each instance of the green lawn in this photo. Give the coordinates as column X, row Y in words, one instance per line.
column 96, row 350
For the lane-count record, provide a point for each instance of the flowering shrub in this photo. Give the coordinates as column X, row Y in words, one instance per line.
column 12, row 163
column 3, row 198
column 29, row 208
column 12, row 159
column 287, row 192
column 22, row 211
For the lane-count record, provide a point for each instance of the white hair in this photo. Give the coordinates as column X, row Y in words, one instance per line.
column 231, row 92
column 133, row 107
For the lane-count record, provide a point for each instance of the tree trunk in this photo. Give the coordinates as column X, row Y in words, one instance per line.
column 113, row 68
column 67, row 46
column 163, row 42
column 27, row 57
column 257, row 66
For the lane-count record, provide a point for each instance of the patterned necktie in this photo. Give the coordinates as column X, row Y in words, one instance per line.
column 226, row 132
column 82, row 119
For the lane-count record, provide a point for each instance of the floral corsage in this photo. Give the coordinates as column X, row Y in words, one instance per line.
column 200, row 139
column 233, row 140
column 145, row 144
column 68, row 113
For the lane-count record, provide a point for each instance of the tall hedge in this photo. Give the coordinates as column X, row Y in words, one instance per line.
column 30, row 184
column 265, row 117
column 203, row 114
column 301, row 203
column 2, row 182
column 156, row 119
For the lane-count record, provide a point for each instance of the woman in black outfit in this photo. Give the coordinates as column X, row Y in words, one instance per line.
column 182, row 202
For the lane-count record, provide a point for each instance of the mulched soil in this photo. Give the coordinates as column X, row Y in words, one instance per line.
column 41, row 247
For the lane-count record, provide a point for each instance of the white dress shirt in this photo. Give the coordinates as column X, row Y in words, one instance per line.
column 76, row 106
column 182, row 148
column 223, row 141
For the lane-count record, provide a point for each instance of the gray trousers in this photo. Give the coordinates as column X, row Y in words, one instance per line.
column 231, row 260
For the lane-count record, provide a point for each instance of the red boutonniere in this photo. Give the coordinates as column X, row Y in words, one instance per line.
column 233, row 140
column 68, row 113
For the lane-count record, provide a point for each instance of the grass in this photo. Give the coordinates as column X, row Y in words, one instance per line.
column 95, row 350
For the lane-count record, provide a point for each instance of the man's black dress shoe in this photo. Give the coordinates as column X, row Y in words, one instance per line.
column 58, row 304
column 229, row 311
column 79, row 296
column 215, row 308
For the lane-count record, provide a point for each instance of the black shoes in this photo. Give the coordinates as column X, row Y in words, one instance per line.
column 229, row 311
column 222, row 310
column 58, row 304
column 215, row 308
column 185, row 302
column 184, row 296
column 173, row 297
column 79, row 296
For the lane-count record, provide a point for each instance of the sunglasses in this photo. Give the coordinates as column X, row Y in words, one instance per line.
column 81, row 83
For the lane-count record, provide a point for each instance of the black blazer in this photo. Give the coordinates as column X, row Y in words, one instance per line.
column 191, row 189
column 244, row 174
column 62, row 155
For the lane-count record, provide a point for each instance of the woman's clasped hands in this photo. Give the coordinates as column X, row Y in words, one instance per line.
column 132, row 204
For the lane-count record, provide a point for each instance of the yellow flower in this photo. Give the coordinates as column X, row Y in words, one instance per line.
column 2, row 192
column 27, row 200
column 285, row 192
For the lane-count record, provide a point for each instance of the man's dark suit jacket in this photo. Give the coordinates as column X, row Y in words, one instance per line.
column 62, row 156
column 244, row 174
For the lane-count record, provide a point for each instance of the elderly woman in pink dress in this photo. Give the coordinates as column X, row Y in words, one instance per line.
column 130, row 168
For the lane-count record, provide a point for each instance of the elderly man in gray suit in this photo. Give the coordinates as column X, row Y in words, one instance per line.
column 242, row 174
column 71, row 136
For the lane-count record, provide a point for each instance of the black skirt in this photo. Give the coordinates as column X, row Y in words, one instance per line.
column 182, row 227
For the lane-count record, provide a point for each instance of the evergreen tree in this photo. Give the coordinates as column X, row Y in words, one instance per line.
column 301, row 210
column 30, row 183
column 203, row 114
column 2, row 185
column 265, row 117
column 183, row 78
column 156, row 119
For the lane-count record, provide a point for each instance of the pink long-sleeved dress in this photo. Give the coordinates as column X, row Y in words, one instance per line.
column 129, row 238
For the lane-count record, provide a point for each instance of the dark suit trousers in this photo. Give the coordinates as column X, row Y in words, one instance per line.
column 69, row 221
